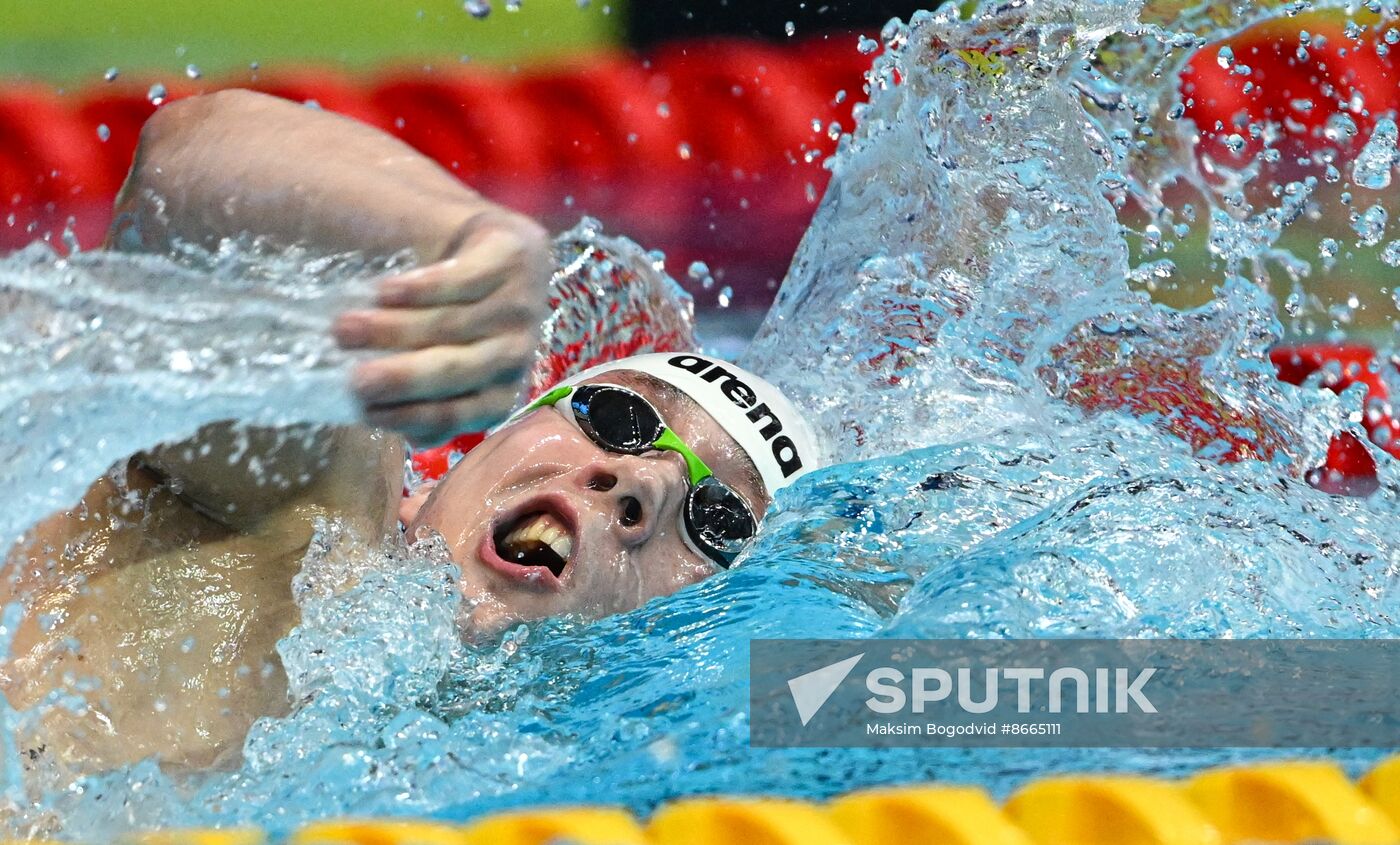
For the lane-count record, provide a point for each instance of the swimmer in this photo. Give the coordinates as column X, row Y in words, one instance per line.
column 158, row 600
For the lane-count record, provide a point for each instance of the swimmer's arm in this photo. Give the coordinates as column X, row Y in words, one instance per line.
column 237, row 475
column 238, row 162
column 462, row 327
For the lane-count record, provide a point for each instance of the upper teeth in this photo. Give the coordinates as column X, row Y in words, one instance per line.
column 543, row 528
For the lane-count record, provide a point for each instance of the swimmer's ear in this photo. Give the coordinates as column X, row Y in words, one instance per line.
column 410, row 505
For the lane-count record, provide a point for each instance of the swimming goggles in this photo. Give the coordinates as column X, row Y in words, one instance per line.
column 715, row 521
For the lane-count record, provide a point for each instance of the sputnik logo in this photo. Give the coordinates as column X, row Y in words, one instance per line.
column 811, row 691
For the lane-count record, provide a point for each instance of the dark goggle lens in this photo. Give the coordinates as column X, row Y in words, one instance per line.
column 618, row 419
column 718, row 521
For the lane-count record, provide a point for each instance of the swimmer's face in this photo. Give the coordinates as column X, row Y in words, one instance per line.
column 612, row 521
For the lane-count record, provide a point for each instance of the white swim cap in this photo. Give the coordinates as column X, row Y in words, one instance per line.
column 768, row 427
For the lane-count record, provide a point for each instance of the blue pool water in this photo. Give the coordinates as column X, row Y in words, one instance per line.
column 966, row 264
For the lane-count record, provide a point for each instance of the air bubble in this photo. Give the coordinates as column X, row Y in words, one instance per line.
column 156, row 94
column 477, row 8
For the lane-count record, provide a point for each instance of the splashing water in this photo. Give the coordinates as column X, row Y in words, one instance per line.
column 1030, row 447
column 102, row 354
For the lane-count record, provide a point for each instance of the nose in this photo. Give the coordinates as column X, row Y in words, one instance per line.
column 634, row 492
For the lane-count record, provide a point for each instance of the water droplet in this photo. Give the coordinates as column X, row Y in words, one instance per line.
column 840, row 97
column 1370, row 225
column 1327, row 247
column 790, row 28
column 1391, row 255
column 181, row 362
column 698, row 270
column 1373, row 164
column 1225, row 57
column 111, row 74
column 866, row 46
column 193, row 71
column 103, row 133
column 683, row 150
column 156, row 94
column 726, row 294
column 663, row 109
column 1340, row 128
column 512, row 5
column 477, row 8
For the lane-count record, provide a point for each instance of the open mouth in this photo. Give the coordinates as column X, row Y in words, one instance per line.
column 536, row 538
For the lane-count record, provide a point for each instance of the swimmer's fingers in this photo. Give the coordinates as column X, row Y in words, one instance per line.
column 431, row 423
column 418, row 328
column 444, row 372
column 510, row 252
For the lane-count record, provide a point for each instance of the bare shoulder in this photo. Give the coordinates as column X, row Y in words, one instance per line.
column 174, row 604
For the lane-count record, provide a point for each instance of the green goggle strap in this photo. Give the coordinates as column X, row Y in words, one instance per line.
column 669, row 441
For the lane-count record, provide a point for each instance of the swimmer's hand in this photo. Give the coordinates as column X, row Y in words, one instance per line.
column 460, row 332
